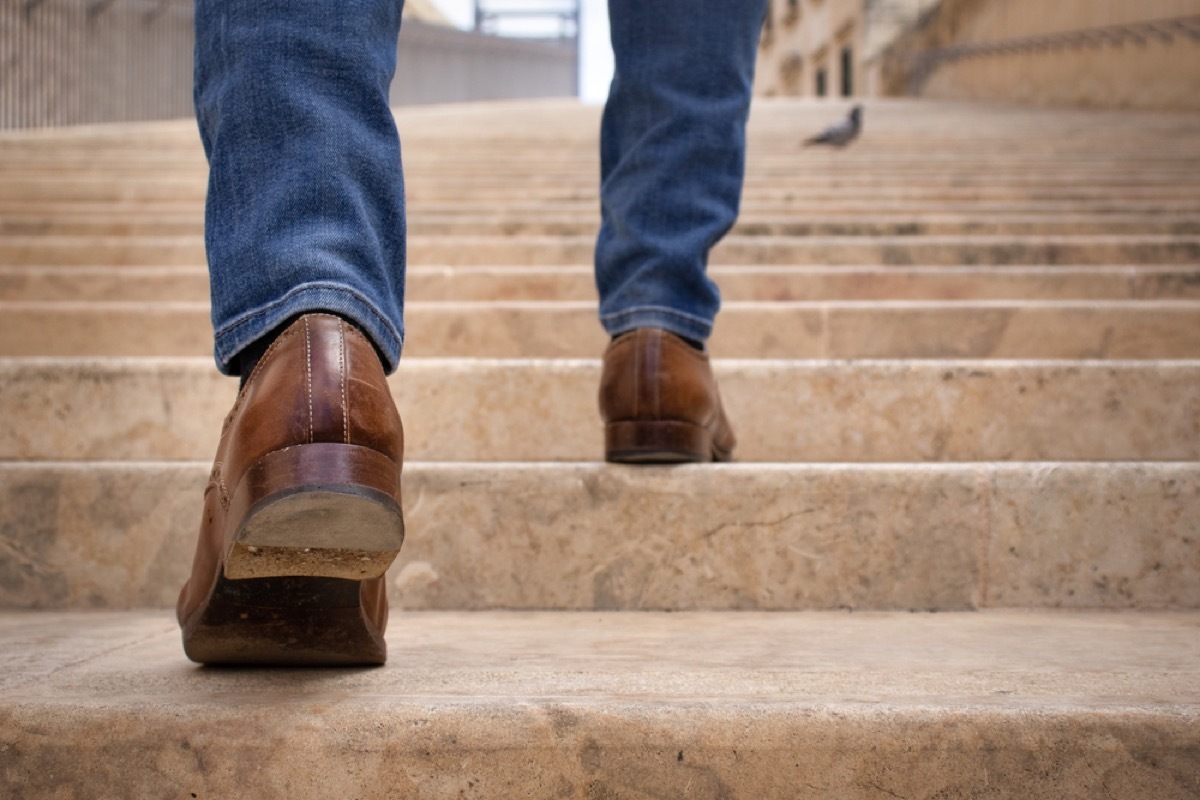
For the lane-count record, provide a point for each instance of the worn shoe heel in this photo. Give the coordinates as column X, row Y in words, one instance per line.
column 316, row 510
column 285, row 622
column 659, row 441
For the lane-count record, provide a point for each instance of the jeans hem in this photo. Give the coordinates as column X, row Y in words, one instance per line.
column 679, row 323
column 233, row 337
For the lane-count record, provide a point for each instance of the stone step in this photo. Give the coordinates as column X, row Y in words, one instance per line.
column 752, row 207
column 749, row 250
column 603, row 537
column 609, row 705
column 587, row 222
column 792, row 225
column 1152, row 329
column 573, row 154
column 193, row 187
column 745, row 283
column 529, row 178
column 573, row 158
column 898, row 250
column 977, row 231
column 949, row 196
column 513, row 410
column 940, row 132
column 772, row 163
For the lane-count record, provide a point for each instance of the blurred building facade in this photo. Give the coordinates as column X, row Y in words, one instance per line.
column 1098, row 53
column 68, row 62
column 830, row 48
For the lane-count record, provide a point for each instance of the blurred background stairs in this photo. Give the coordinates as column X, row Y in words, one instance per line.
column 963, row 360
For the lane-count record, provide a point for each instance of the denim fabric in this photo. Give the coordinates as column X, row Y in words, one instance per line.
column 672, row 157
column 305, row 204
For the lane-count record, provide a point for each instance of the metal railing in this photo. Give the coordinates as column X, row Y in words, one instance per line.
column 67, row 62
column 922, row 64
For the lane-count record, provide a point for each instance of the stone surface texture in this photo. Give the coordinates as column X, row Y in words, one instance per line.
column 618, row 706
column 592, row 536
column 963, row 360
column 545, row 410
column 576, row 282
column 1095, row 329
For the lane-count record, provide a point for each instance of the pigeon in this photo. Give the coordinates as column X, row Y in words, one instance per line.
column 842, row 132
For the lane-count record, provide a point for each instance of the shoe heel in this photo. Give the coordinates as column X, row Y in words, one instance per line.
column 659, row 441
column 318, row 510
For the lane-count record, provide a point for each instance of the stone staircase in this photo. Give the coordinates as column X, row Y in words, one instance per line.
column 963, row 361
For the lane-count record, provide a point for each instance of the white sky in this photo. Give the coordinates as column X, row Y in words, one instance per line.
column 595, row 53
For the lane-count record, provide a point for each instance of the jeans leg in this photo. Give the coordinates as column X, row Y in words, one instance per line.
column 305, row 206
column 672, row 157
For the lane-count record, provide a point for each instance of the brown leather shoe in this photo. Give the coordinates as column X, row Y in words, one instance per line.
column 660, row 403
column 302, row 510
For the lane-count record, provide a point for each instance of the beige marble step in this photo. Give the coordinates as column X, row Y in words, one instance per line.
column 771, row 170
column 898, row 250
column 751, row 250
column 944, row 130
column 596, row 536
column 521, row 410
column 773, row 164
column 586, row 222
column 948, row 198
column 773, row 706
column 1157, row 329
column 192, row 188
column 577, row 282
column 752, row 207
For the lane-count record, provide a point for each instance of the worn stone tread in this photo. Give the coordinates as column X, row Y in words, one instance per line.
column 586, row 705
column 65, row 220
column 733, row 250
column 1091, row 329
column 596, row 536
column 577, row 282
column 546, row 410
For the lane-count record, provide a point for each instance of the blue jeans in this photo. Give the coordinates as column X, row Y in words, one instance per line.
column 305, row 208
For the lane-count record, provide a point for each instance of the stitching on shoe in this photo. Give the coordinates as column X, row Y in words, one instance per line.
column 308, row 370
column 342, row 379
column 354, row 331
column 218, row 479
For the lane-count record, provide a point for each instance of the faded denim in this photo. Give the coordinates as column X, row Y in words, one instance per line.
column 305, row 207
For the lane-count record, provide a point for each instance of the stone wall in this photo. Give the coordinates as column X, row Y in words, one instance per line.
column 1082, row 58
column 800, row 49
column 805, row 39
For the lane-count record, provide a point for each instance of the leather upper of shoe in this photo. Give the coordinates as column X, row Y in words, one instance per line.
column 650, row 374
column 319, row 381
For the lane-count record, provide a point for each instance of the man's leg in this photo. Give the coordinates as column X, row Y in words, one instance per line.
column 305, row 239
column 306, row 198
column 672, row 158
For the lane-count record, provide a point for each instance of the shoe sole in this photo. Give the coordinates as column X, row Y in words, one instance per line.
column 312, row 523
column 316, row 510
column 660, row 442
column 285, row 621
